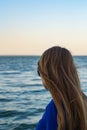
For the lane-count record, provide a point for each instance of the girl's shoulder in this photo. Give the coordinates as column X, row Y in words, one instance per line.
column 50, row 111
column 51, row 105
column 49, row 118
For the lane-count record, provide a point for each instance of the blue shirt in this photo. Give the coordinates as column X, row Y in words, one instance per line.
column 49, row 118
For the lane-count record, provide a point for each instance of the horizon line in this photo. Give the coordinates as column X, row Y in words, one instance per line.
column 32, row 55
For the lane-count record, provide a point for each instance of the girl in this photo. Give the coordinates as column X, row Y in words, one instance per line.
column 68, row 108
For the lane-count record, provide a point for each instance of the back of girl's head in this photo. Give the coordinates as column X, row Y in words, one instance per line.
column 58, row 71
column 57, row 64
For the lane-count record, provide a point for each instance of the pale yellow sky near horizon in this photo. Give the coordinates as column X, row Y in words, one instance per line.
column 38, row 49
column 35, row 43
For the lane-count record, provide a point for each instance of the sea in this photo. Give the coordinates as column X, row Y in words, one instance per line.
column 23, row 98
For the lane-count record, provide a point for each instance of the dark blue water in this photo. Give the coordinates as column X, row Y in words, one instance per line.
column 22, row 95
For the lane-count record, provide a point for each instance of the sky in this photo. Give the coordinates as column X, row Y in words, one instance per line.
column 29, row 27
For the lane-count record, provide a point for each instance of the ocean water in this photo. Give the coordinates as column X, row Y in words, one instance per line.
column 22, row 96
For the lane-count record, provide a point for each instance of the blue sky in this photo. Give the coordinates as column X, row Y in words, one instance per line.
column 31, row 26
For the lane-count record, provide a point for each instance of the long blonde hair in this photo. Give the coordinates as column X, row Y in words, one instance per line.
column 57, row 69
